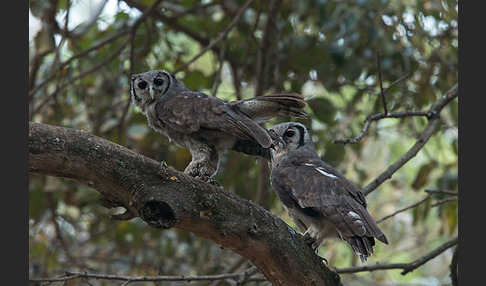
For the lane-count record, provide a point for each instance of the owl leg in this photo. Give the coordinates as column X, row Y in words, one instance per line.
column 204, row 163
column 314, row 238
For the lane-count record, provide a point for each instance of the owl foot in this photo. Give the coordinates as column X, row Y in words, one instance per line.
column 310, row 241
column 323, row 259
column 197, row 173
column 214, row 182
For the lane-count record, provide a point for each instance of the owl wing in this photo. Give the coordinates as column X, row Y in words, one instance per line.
column 264, row 107
column 188, row 112
column 317, row 187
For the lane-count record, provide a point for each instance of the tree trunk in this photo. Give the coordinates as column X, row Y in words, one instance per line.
column 166, row 198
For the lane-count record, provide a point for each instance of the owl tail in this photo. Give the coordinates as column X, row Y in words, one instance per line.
column 252, row 148
column 264, row 107
column 362, row 246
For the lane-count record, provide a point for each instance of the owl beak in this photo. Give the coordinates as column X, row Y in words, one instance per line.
column 152, row 92
column 277, row 141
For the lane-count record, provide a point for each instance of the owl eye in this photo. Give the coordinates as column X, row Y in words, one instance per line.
column 142, row 84
column 158, row 81
column 289, row 133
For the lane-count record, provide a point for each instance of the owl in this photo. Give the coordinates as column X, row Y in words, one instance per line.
column 320, row 201
column 206, row 125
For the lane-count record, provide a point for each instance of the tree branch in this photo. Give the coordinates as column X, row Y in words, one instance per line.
column 220, row 37
column 166, row 198
column 434, row 120
column 68, row 276
column 407, row 267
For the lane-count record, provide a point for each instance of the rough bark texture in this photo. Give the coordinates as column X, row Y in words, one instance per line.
column 166, row 198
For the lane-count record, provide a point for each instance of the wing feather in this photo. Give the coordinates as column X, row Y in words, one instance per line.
column 264, row 107
column 188, row 112
column 333, row 195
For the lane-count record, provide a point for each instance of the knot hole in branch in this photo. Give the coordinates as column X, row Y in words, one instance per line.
column 158, row 214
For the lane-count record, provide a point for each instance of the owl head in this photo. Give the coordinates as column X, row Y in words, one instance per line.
column 297, row 141
column 149, row 87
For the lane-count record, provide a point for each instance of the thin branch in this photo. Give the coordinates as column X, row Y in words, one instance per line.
column 377, row 117
column 58, row 232
column 443, row 192
column 429, row 195
column 443, row 201
column 404, row 209
column 100, row 44
column 269, row 33
column 109, row 39
column 382, row 92
column 60, row 87
column 217, row 80
column 68, row 276
column 220, row 37
column 407, row 267
column 434, row 120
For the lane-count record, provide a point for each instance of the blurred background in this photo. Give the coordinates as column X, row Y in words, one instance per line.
column 336, row 53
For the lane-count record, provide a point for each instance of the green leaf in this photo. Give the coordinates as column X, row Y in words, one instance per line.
column 423, row 175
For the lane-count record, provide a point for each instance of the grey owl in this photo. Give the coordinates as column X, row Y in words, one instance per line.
column 205, row 124
column 320, row 201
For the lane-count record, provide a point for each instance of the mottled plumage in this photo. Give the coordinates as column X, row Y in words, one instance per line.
column 205, row 124
column 320, row 200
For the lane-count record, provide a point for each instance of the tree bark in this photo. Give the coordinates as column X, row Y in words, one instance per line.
column 166, row 198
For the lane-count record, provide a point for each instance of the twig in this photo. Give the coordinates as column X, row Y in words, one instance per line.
column 269, row 31
column 434, row 120
column 58, row 231
column 443, row 201
column 68, row 276
column 220, row 37
column 382, row 92
column 407, row 267
column 429, row 195
column 442, row 192
column 404, row 209
column 217, row 80
column 85, row 52
column 81, row 75
column 377, row 117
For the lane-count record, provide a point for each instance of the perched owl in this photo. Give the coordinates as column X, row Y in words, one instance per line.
column 205, row 124
column 320, row 201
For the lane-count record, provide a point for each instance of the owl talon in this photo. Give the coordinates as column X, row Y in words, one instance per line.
column 323, row 259
column 214, row 182
column 310, row 241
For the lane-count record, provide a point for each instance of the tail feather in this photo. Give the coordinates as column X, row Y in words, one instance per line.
column 252, row 148
column 362, row 246
column 264, row 107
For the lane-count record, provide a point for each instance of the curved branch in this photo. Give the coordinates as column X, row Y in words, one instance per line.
column 434, row 120
column 166, row 198
column 407, row 267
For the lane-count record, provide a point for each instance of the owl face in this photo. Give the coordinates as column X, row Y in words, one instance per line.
column 148, row 87
column 296, row 138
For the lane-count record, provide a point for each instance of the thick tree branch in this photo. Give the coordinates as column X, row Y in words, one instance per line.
column 166, row 198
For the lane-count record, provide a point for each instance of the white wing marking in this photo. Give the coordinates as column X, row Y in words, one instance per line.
column 321, row 170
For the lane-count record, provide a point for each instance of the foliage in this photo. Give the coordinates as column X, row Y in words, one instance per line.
column 81, row 57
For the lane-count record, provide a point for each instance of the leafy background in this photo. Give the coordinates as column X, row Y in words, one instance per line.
column 82, row 54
